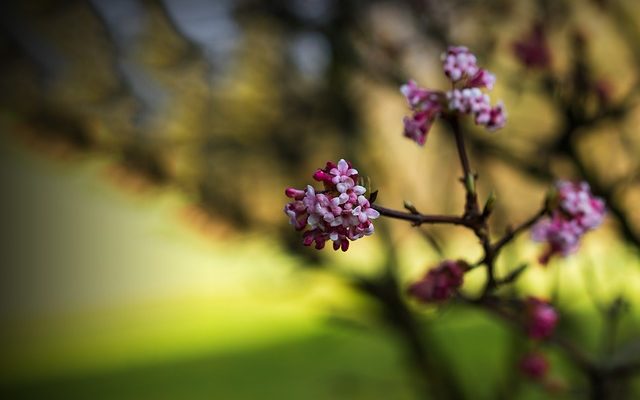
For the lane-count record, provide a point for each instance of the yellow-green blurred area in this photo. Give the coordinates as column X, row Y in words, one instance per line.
column 144, row 151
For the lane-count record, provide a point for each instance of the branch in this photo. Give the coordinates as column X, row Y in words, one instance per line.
column 419, row 219
column 512, row 233
column 471, row 204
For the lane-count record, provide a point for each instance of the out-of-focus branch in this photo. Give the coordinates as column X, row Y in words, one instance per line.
column 513, row 233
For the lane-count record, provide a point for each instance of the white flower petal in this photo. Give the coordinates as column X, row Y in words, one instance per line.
column 343, row 166
column 372, row 214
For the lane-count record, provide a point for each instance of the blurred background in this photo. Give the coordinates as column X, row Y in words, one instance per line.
column 146, row 144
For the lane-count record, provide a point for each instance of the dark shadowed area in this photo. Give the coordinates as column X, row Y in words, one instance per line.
column 145, row 148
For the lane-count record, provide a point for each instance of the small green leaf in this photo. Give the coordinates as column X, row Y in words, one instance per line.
column 470, row 184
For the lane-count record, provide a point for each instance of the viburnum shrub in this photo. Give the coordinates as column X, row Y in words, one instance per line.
column 341, row 211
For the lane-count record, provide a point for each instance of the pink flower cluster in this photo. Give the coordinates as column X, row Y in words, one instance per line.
column 459, row 62
column 577, row 212
column 338, row 213
column 541, row 318
column 440, row 283
column 474, row 102
column 459, row 65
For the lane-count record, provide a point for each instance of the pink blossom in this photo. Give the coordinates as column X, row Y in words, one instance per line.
column 534, row 365
column 497, row 117
column 458, row 63
column 562, row 236
column 579, row 204
column 419, row 98
column 466, row 96
column 473, row 101
column 342, row 176
column 339, row 213
column 541, row 318
column 576, row 212
column 417, row 126
column 468, row 100
column 439, row 283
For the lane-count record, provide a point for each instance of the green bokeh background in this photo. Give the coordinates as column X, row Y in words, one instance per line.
column 153, row 261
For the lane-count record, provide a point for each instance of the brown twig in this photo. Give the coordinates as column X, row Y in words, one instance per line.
column 512, row 233
column 419, row 219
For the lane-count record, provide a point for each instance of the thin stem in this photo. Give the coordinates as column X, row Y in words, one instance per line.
column 491, row 252
column 471, row 206
column 419, row 219
column 462, row 152
column 511, row 234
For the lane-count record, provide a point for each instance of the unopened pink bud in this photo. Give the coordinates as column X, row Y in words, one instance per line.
column 532, row 50
column 322, row 176
column 541, row 318
column 439, row 283
column 534, row 366
column 482, row 79
column 293, row 193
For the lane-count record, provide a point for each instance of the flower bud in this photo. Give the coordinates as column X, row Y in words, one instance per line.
column 534, row 366
column 440, row 283
column 541, row 318
column 295, row 194
column 488, row 205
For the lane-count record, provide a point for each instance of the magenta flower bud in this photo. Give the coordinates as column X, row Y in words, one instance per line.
column 541, row 318
column 440, row 283
column 294, row 193
column 534, row 366
column 417, row 126
column 426, row 106
column 533, row 51
column 482, row 79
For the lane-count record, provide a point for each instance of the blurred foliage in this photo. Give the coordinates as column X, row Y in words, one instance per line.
column 230, row 101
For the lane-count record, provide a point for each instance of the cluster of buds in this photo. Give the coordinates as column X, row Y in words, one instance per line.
column 426, row 106
column 466, row 97
column 339, row 213
column 440, row 283
column 541, row 318
column 574, row 212
column 459, row 65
